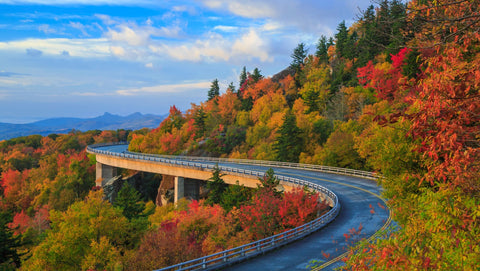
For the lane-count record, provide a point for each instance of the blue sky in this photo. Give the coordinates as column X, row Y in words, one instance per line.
column 81, row 58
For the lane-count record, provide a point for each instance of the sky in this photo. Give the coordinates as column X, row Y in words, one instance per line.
column 81, row 58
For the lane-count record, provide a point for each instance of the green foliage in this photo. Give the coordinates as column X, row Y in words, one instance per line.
column 322, row 129
column 298, row 56
column 217, row 186
column 9, row 257
column 270, row 183
column 289, row 142
column 129, row 201
column 78, row 233
column 234, row 196
column 214, row 90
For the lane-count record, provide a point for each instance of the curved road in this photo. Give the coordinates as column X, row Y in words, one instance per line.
column 361, row 207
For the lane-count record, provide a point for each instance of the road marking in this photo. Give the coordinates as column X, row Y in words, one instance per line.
column 387, row 223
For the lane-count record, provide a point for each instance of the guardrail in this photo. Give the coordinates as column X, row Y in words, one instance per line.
column 241, row 253
column 319, row 168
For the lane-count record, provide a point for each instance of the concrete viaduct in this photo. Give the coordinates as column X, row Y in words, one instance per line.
column 186, row 178
column 355, row 191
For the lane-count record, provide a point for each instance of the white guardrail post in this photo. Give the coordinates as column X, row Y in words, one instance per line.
column 240, row 253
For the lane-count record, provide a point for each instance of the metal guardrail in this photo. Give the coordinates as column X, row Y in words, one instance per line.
column 319, row 168
column 237, row 254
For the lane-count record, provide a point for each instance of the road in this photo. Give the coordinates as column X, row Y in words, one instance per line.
column 361, row 207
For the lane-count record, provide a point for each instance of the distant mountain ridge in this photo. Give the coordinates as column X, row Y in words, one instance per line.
column 107, row 121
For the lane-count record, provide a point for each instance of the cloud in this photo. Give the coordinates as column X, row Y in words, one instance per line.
column 65, row 53
column 135, row 35
column 149, row 65
column 80, row 27
column 226, row 28
column 45, row 28
column 175, row 88
column 316, row 17
column 33, row 52
column 9, row 74
column 216, row 47
column 75, row 47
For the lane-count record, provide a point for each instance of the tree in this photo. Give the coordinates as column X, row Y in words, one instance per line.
column 77, row 232
column 256, row 75
column 269, row 182
column 341, row 39
column 243, row 77
column 322, row 49
column 289, row 143
column 214, row 90
column 129, row 201
column 217, row 186
column 234, row 196
column 9, row 257
column 298, row 56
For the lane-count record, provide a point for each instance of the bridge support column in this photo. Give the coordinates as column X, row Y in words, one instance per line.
column 186, row 188
column 104, row 172
column 179, row 188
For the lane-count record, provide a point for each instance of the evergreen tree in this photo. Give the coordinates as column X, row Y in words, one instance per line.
column 269, row 182
column 231, row 87
column 322, row 49
column 243, row 77
column 129, row 201
column 289, row 142
column 217, row 186
column 214, row 90
column 256, row 75
column 9, row 258
column 235, row 196
column 341, row 39
column 200, row 121
column 298, row 57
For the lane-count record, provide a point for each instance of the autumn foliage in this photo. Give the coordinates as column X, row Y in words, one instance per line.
column 397, row 93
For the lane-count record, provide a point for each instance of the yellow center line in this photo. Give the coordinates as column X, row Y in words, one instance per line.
column 387, row 223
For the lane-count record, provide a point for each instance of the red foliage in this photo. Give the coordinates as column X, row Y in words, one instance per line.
column 21, row 222
column 387, row 83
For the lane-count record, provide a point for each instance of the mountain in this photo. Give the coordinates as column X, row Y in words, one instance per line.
column 107, row 121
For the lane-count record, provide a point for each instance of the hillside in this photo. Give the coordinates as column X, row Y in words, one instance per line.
column 107, row 121
column 397, row 93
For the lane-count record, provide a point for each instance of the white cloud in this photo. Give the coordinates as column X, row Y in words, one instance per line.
column 75, row 47
column 45, row 28
column 149, row 65
column 216, row 47
column 117, row 51
column 175, row 88
column 135, row 35
column 80, row 27
column 252, row 45
column 226, row 28
column 314, row 16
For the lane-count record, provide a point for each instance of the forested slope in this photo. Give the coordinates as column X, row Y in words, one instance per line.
column 397, row 93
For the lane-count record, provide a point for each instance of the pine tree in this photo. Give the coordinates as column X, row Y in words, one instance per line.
column 217, row 186
column 322, row 49
column 231, row 87
column 269, row 182
column 214, row 90
column 298, row 56
column 243, row 77
column 129, row 201
column 256, row 75
column 9, row 258
column 341, row 39
column 289, row 142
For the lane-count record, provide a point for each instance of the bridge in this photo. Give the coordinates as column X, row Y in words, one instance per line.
column 355, row 191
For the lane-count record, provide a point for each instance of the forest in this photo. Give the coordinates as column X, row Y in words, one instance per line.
column 397, row 93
